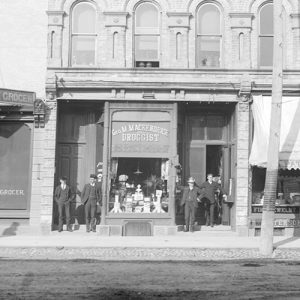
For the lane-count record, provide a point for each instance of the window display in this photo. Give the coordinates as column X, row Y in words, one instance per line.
column 139, row 185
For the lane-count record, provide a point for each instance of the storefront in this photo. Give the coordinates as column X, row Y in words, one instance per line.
column 16, row 134
column 142, row 151
column 287, row 213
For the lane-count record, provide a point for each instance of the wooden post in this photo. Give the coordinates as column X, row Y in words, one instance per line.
column 266, row 238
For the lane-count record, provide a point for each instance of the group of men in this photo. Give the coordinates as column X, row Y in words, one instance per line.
column 91, row 198
column 193, row 194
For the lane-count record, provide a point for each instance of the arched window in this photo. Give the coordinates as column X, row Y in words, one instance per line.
column 147, row 35
column 266, row 35
column 83, row 35
column 209, row 37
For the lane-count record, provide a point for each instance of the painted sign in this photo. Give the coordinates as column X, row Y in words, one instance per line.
column 279, row 223
column 278, row 209
column 140, row 139
column 15, row 143
column 16, row 97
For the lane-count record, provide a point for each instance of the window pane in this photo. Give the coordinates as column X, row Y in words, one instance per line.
column 197, row 128
column 209, row 51
column 266, row 19
column 146, row 48
column 146, row 15
column 83, row 50
column 266, row 51
column 139, row 185
column 84, row 18
column 215, row 127
column 209, row 20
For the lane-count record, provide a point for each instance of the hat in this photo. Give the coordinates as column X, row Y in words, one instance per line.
column 64, row 178
column 93, row 176
column 191, row 180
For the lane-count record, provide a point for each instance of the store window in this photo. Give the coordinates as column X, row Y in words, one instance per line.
column 15, row 151
column 266, row 35
column 83, row 35
column 147, row 35
column 209, row 37
column 287, row 191
column 140, row 165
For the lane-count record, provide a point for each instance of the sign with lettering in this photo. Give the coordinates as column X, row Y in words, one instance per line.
column 15, row 145
column 16, row 97
column 279, row 223
column 140, row 139
column 278, row 209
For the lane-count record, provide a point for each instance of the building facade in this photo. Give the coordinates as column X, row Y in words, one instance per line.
column 148, row 93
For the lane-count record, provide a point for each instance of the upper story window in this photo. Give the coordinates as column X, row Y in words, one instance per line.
column 209, row 37
column 147, row 35
column 266, row 35
column 83, row 35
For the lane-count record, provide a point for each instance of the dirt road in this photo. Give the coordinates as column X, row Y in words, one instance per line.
column 91, row 279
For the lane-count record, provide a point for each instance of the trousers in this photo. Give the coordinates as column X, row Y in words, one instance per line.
column 61, row 207
column 90, row 213
column 210, row 212
column 189, row 213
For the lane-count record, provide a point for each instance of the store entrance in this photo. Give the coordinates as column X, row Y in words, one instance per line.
column 208, row 148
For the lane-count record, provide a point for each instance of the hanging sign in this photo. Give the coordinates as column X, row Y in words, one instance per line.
column 16, row 97
column 140, row 139
column 278, row 209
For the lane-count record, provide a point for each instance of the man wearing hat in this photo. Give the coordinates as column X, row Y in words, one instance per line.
column 63, row 197
column 91, row 196
column 190, row 200
column 210, row 188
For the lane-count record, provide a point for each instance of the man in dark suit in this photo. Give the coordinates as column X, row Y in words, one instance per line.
column 210, row 188
column 190, row 200
column 63, row 197
column 91, row 196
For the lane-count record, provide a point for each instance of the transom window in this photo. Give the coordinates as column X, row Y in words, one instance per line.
column 209, row 37
column 266, row 35
column 147, row 35
column 83, row 35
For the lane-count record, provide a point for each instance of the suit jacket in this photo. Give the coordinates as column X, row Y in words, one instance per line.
column 57, row 194
column 195, row 192
column 86, row 192
column 209, row 190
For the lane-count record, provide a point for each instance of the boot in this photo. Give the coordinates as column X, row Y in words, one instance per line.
column 186, row 229
column 191, row 228
column 88, row 228
column 69, row 228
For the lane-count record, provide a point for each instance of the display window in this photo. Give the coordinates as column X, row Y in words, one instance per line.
column 287, row 192
column 139, row 185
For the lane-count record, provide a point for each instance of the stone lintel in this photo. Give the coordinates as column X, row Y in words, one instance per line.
column 115, row 19
column 179, row 19
column 241, row 20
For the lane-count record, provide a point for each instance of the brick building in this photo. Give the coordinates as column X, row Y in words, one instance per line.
column 159, row 91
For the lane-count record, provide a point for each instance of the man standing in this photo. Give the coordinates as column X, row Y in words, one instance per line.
column 91, row 196
column 190, row 200
column 63, row 197
column 210, row 189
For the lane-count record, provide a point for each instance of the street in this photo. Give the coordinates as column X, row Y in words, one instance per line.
column 93, row 279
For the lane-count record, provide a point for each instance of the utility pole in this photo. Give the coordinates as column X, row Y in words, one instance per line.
column 266, row 238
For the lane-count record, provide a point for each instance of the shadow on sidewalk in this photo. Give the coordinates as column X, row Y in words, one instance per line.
column 11, row 230
column 286, row 241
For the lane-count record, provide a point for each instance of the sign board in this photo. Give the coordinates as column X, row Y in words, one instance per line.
column 278, row 209
column 282, row 223
column 140, row 139
column 16, row 97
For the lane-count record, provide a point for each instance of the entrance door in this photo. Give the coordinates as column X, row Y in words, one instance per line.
column 76, row 150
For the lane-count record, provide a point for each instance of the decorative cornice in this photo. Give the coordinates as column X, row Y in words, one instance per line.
column 55, row 17
column 179, row 19
column 115, row 18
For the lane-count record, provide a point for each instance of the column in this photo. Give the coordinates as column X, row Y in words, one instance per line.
column 179, row 24
column 55, row 26
column 241, row 27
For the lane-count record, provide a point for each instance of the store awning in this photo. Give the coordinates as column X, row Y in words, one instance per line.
column 289, row 156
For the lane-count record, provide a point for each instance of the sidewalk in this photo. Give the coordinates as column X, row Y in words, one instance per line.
column 182, row 246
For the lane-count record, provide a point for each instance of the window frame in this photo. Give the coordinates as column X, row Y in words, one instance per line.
column 260, row 36
column 147, row 31
column 198, row 36
column 86, row 34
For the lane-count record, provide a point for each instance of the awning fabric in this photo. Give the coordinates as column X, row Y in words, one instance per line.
column 289, row 155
